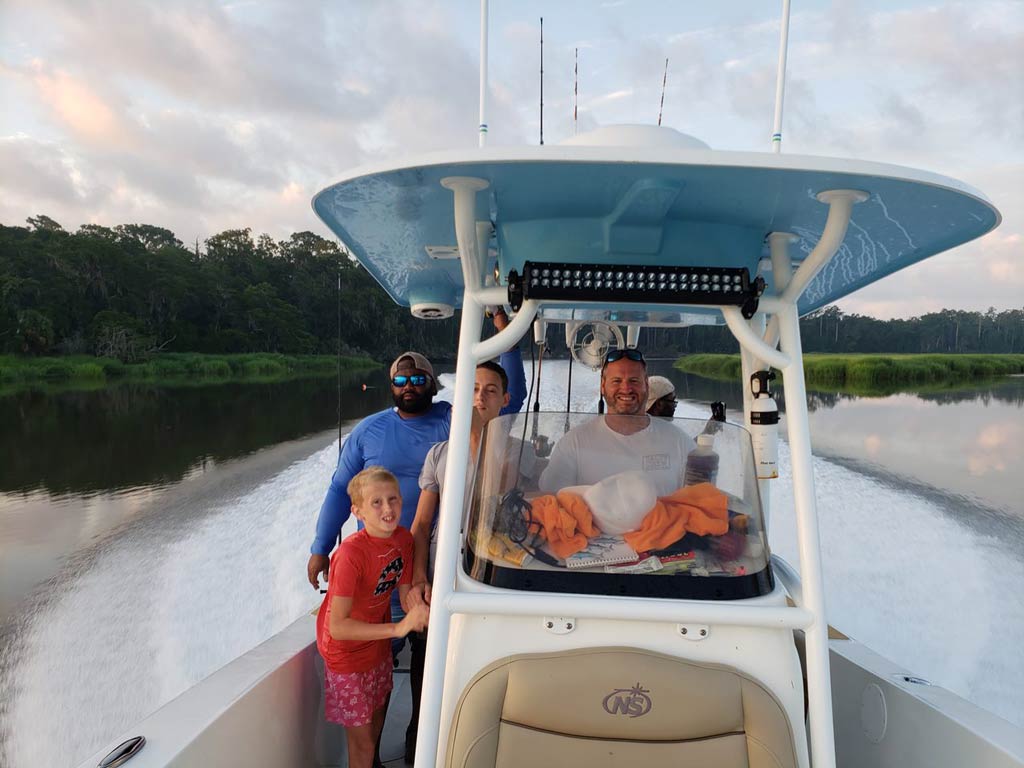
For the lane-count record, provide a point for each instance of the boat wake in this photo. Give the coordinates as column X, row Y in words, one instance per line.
column 155, row 610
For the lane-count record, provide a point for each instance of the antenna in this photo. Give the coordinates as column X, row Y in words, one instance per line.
column 542, row 81
column 483, row 72
column 575, row 104
column 664, row 79
column 780, row 80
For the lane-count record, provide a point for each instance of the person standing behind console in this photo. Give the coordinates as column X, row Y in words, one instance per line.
column 490, row 398
column 626, row 438
column 661, row 397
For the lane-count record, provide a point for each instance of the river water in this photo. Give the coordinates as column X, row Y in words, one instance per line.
column 150, row 535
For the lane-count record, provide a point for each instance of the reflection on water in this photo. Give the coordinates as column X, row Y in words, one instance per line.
column 140, row 435
column 1008, row 390
column 967, row 442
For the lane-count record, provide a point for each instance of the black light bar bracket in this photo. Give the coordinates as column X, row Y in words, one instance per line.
column 636, row 284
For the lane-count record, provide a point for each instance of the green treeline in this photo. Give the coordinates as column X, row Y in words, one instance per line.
column 870, row 373
column 134, row 291
column 830, row 330
column 180, row 367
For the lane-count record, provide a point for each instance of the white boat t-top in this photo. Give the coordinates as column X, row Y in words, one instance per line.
column 648, row 196
column 683, row 653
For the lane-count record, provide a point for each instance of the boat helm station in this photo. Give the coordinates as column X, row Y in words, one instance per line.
column 672, row 534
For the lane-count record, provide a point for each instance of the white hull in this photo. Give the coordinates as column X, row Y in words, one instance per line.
column 264, row 708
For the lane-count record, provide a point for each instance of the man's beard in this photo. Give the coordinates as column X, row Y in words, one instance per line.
column 418, row 403
column 631, row 409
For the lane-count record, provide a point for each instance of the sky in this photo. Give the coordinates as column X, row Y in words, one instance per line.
column 202, row 116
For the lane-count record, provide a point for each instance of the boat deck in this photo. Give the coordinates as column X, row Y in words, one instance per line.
column 331, row 747
column 392, row 746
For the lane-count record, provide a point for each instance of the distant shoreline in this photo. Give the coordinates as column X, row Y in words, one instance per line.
column 84, row 371
column 872, row 373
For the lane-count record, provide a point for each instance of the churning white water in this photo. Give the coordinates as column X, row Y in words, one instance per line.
column 177, row 596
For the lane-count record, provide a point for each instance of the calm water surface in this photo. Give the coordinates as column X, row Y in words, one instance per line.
column 78, row 466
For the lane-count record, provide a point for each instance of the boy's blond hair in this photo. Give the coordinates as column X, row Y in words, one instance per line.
column 357, row 485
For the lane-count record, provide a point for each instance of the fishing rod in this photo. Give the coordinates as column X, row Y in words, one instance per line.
column 339, row 362
column 575, row 94
column 542, row 81
column 664, row 79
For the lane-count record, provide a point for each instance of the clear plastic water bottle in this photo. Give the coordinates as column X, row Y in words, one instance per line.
column 702, row 462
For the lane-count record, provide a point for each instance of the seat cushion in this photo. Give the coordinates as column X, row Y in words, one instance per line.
column 591, row 706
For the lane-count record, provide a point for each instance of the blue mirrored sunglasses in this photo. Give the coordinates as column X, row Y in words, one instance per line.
column 629, row 354
column 417, row 380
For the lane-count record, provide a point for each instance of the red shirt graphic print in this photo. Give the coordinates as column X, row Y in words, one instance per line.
column 368, row 570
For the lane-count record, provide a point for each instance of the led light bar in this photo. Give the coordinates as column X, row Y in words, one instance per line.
column 635, row 283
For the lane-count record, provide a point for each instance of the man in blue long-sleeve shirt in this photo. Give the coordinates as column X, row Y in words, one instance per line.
column 398, row 439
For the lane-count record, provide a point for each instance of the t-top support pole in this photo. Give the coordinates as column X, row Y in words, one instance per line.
column 819, row 688
column 465, row 190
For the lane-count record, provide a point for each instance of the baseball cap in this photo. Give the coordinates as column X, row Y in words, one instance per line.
column 657, row 388
column 418, row 359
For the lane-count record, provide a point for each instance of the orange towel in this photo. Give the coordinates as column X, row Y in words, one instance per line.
column 574, row 504
column 565, row 522
column 699, row 509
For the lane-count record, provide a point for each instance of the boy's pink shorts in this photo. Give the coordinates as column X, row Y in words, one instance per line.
column 351, row 698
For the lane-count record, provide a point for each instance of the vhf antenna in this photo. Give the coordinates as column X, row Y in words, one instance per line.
column 780, row 78
column 664, row 79
column 542, row 81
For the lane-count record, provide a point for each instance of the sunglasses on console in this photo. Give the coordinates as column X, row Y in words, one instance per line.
column 416, row 379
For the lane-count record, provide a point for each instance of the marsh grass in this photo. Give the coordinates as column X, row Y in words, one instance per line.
column 872, row 374
column 90, row 372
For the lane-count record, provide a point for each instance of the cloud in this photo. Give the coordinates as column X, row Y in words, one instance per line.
column 38, row 171
column 1002, row 258
column 81, row 109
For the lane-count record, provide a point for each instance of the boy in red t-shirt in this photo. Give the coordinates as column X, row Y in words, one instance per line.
column 353, row 626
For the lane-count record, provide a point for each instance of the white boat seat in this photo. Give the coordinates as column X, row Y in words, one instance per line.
column 616, row 706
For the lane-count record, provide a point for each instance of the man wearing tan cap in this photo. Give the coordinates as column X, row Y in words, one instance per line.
column 398, row 440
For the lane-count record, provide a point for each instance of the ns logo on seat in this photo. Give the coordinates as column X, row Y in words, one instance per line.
column 633, row 702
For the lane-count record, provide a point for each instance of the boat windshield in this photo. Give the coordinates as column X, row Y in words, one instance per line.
column 617, row 505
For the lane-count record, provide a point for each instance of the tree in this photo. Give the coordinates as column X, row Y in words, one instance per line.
column 35, row 332
column 43, row 223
